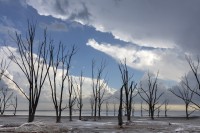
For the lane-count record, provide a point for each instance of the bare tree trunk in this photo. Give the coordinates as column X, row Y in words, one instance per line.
column 15, row 106
column 151, row 95
column 166, row 104
column 72, row 96
column 186, row 111
column 158, row 112
column 92, row 106
column 107, row 104
column 114, row 108
column 141, row 110
column 120, row 120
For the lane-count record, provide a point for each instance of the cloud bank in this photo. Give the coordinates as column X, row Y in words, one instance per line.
column 171, row 64
column 167, row 29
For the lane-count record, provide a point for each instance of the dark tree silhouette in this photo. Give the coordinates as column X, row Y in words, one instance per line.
column 166, row 102
column 107, row 108
column 141, row 109
column 79, row 95
column 35, row 68
column 5, row 93
column 98, row 88
column 114, row 108
column 72, row 96
column 158, row 110
column 151, row 95
column 133, row 109
column 60, row 60
column 129, row 88
column 184, row 93
column 14, row 104
column 92, row 105
column 194, row 66
column 5, row 97
column 120, row 113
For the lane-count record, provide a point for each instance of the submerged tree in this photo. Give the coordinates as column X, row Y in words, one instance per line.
column 166, row 102
column 33, row 64
column 107, row 107
column 14, row 104
column 5, row 97
column 80, row 95
column 129, row 88
column 151, row 94
column 114, row 108
column 185, row 94
column 72, row 96
column 92, row 105
column 98, row 88
column 141, row 109
column 60, row 65
column 120, row 114
column 5, row 93
column 194, row 66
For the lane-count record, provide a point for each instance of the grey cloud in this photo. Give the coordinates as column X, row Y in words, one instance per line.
column 55, row 26
column 63, row 9
column 155, row 23
column 61, row 6
column 81, row 15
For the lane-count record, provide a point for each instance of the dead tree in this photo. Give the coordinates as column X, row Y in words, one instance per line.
column 141, row 109
column 5, row 93
column 92, row 105
column 195, row 71
column 101, row 93
column 79, row 95
column 107, row 108
column 133, row 109
column 72, row 96
column 95, row 91
column 120, row 113
column 60, row 62
column 5, row 97
column 33, row 64
column 129, row 88
column 166, row 102
column 158, row 110
column 114, row 108
column 185, row 94
column 98, row 88
column 151, row 95
column 14, row 104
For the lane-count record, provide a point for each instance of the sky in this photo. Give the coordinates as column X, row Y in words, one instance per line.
column 152, row 35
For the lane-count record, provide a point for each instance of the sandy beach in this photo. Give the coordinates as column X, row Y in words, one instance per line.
column 45, row 124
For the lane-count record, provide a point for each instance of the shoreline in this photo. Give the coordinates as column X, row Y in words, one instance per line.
column 106, row 124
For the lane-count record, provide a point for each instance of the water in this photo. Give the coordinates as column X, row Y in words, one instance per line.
column 103, row 113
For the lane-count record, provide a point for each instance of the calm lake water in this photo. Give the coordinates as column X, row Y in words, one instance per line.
column 103, row 113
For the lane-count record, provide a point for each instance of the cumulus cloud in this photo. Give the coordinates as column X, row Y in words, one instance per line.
column 170, row 63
